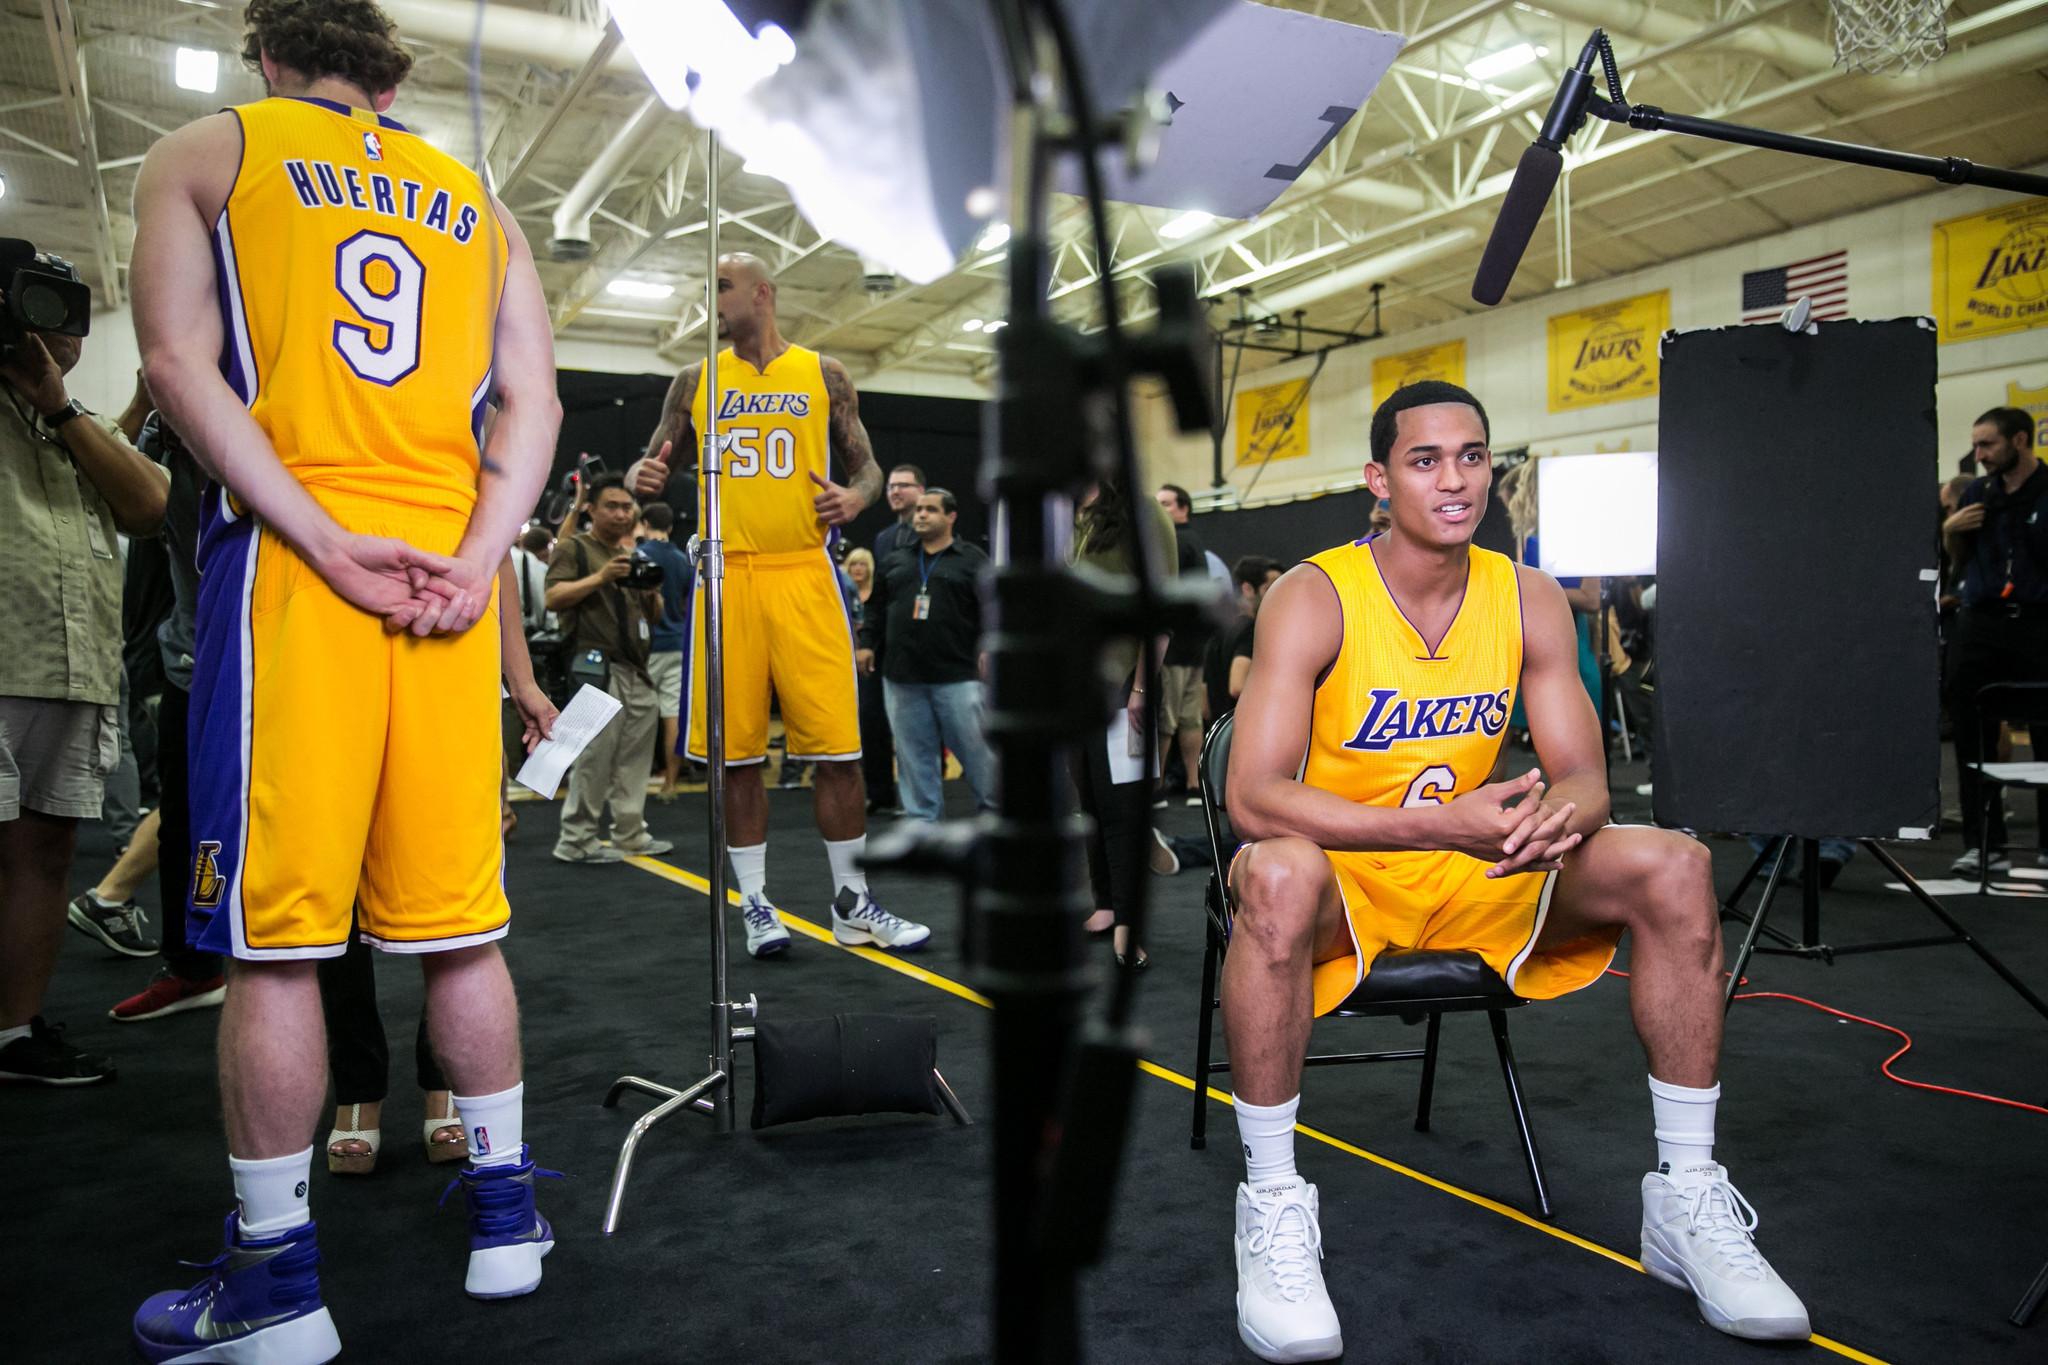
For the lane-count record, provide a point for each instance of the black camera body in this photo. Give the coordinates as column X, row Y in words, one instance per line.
column 642, row 574
column 39, row 293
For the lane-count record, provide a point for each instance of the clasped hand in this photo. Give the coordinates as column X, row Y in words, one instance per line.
column 1526, row 836
column 410, row 588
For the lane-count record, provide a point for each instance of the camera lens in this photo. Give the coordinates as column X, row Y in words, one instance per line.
column 42, row 307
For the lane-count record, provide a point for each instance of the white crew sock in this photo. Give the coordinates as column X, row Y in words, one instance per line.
column 1685, row 1129
column 271, row 1193
column 103, row 903
column 1267, row 1131
column 493, row 1123
column 750, row 869
column 8, row 1035
column 846, row 869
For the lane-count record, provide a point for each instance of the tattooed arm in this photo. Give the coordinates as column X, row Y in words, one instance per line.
column 675, row 440
column 838, row 504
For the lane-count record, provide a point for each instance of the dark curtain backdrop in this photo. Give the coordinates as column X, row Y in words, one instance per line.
column 1292, row 531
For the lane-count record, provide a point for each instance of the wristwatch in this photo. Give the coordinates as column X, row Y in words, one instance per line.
column 72, row 409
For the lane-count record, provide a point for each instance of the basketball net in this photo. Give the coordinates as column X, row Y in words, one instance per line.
column 1889, row 37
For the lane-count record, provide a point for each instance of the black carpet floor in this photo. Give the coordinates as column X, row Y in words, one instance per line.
column 1909, row 1221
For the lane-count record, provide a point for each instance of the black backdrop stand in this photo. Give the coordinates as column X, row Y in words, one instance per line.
column 1809, row 944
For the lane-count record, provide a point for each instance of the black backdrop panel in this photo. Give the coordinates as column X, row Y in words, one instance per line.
column 1797, row 663
column 613, row 415
column 1292, row 531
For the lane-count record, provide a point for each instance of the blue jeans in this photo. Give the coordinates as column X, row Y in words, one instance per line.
column 925, row 716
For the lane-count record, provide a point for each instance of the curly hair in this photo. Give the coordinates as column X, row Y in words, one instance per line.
column 350, row 39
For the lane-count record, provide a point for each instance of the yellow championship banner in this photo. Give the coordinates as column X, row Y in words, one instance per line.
column 1991, row 271
column 2033, row 401
column 1445, row 362
column 1272, row 422
column 1609, row 353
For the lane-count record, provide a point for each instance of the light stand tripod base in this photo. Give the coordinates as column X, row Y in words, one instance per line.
column 675, row 1100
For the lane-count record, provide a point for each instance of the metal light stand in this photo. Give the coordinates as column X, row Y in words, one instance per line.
column 712, row 1094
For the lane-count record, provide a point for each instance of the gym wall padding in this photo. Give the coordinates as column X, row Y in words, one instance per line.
column 1797, row 657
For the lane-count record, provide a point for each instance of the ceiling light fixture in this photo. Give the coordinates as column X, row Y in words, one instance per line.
column 1194, row 220
column 971, row 325
column 639, row 289
column 197, row 68
column 1501, row 62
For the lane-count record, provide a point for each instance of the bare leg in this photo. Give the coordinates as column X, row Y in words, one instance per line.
column 1290, row 916
column 1659, row 885
column 35, row 860
column 273, row 1058
column 1191, row 757
column 746, row 805
column 671, row 761
column 137, row 863
column 839, row 799
column 473, row 1018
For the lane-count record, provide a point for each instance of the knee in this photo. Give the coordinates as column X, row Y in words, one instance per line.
column 1279, row 885
column 1674, row 876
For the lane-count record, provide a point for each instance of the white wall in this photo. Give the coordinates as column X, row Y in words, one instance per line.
column 104, row 379
column 1506, row 352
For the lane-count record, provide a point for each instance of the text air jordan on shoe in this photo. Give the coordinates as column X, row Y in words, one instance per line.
column 1283, row 1311
column 507, row 1237
column 856, row 919
column 258, row 1305
column 1697, row 1237
column 765, row 935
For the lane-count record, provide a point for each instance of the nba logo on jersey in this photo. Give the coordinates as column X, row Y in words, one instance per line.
column 372, row 147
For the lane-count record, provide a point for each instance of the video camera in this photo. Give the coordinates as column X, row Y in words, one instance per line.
column 642, row 574
column 39, row 293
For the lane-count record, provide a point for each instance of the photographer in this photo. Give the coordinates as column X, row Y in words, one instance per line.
column 607, row 596
column 1998, row 539
column 69, row 484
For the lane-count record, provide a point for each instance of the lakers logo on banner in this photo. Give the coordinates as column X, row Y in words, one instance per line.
column 1608, row 353
column 207, row 883
column 1272, row 423
column 1991, row 271
column 1445, row 362
column 2033, row 401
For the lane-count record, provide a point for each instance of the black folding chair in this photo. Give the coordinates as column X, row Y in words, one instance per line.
column 2016, row 703
column 1414, row 984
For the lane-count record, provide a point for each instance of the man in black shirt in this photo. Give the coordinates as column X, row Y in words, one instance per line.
column 1999, row 537
column 924, row 615
column 906, row 482
column 1227, row 661
column 1180, row 672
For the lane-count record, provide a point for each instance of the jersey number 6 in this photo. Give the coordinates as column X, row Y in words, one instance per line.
column 1432, row 787
column 386, row 284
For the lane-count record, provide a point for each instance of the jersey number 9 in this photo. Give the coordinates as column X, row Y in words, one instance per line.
column 385, row 283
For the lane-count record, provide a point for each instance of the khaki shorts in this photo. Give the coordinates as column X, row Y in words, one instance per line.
column 55, row 756
column 665, row 669
column 1180, row 698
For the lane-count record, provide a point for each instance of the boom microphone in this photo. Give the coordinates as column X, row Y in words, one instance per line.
column 1535, row 177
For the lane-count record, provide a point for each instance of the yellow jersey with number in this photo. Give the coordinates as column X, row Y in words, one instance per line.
column 1397, row 723
column 360, row 271
column 777, row 424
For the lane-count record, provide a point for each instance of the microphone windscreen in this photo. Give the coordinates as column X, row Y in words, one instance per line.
column 1535, row 178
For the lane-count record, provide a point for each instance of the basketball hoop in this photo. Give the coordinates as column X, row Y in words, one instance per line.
column 1889, row 37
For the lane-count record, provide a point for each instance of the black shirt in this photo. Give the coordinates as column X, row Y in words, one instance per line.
column 1186, row 647
column 892, row 538
column 942, row 648
column 2011, row 548
column 1234, row 641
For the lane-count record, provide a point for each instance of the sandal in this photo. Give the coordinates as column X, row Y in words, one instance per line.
column 353, row 1162
column 446, row 1138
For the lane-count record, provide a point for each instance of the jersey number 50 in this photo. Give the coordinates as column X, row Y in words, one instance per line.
column 747, row 452
column 385, row 283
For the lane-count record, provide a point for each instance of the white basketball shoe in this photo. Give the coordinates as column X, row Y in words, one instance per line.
column 1284, row 1312
column 765, row 935
column 1697, row 1237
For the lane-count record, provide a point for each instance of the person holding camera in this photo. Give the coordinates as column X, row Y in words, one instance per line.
column 608, row 597
column 69, row 483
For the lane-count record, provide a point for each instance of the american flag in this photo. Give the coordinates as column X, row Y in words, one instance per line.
column 1824, row 279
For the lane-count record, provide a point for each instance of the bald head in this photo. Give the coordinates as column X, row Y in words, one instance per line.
column 746, row 298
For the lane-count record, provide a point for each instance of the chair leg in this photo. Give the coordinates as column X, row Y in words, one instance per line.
column 1198, row 1135
column 1499, row 1020
column 1428, row 1074
column 1992, row 795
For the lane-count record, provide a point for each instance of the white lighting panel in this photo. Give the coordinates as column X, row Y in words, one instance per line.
column 197, row 68
column 1596, row 515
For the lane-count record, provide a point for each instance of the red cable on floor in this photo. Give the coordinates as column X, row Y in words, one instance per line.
column 1886, row 1065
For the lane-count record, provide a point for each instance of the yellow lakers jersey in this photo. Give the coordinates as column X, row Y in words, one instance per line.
column 1399, row 724
column 360, row 272
column 777, row 424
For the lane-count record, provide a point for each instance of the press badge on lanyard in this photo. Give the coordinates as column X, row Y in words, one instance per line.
column 921, row 605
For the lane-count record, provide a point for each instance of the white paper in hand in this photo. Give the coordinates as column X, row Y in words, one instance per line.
column 588, row 712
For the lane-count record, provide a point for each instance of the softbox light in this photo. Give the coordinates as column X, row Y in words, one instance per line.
column 1596, row 515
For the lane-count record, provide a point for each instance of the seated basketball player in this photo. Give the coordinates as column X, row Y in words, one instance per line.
column 1392, row 664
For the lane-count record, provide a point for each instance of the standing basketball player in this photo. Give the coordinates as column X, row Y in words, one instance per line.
column 325, row 304
column 1393, row 664
column 786, row 413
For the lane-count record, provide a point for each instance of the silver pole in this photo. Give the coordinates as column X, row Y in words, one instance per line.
column 713, row 1093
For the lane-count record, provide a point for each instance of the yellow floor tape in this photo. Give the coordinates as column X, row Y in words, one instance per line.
column 808, row 929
